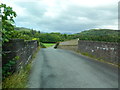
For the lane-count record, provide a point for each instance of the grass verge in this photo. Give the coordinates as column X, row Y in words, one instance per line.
column 19, row 79
column 42, row 45
column 49, row 44
column 98, row 59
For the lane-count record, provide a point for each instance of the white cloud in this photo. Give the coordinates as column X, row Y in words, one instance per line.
column 94, row 3
column 65, row 15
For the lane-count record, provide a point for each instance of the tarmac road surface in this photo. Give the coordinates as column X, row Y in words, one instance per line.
column 57, row 68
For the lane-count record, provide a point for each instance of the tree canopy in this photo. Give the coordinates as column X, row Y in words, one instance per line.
column 7, row 21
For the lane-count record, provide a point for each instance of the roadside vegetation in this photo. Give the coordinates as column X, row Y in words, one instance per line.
column 98, row 59
column 19, row 79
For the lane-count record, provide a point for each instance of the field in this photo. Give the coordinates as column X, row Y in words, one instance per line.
column 49, row 44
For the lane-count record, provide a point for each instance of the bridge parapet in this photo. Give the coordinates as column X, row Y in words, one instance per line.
column 108, row 51
column 17, row 52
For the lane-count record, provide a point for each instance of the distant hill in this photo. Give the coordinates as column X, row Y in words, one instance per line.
column 22, row 29
column 107, row 35
column 100, row 32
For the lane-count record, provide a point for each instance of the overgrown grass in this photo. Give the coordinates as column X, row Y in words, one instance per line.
column 19, row 79
column 49, row 44
column 42, row 45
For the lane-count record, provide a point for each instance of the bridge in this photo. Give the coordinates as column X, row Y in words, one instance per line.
column 58, row 68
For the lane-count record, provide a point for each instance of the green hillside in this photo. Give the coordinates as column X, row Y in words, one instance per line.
column 107, row 35
column 30, row 34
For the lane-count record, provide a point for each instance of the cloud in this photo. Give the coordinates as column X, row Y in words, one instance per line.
column 65, row 16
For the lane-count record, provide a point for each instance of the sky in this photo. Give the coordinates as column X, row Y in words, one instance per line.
column 65, row 16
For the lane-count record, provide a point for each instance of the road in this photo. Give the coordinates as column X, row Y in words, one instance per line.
column 57, row 68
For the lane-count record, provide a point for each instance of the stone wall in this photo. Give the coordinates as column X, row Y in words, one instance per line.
column 108, row 51
column 20, row 50
column 68, row 47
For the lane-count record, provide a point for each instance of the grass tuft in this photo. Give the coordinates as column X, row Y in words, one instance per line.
column 98, row 59
column 19, row 79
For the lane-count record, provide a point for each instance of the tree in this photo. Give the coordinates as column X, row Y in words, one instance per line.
column 7, row 22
